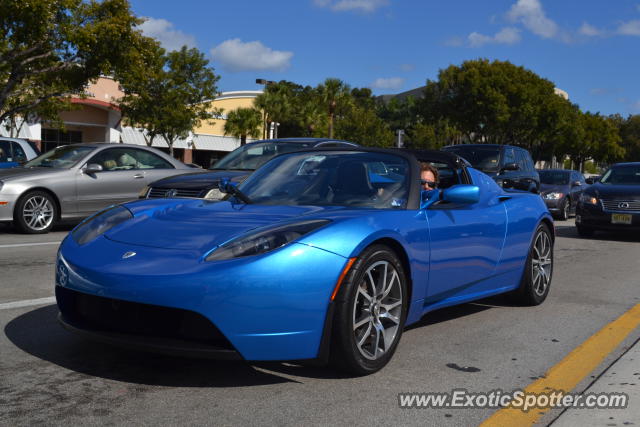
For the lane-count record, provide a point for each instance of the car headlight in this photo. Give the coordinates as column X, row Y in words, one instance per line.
column 589, row 199
column 143, row 192
column 553, row 196
column 214, row 194
column 100, row 223
column 264, row 241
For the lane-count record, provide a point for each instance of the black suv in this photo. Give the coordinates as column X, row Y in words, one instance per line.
column 509, row 166
column 236, row 166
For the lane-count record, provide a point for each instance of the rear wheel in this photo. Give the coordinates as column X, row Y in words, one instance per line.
column 370, row 314
column 35, row 213
column 536, row 279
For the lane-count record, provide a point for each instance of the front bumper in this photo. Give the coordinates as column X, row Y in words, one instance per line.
column 269, row 307
column 595, row 217
column 7, row 205
column 553, row 205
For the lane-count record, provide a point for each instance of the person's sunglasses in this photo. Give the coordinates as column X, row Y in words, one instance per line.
column 429, row 183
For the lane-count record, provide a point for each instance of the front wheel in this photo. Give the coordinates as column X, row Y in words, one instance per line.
column 35, row 213
column 538, row 270
column 371, row 309
column 584, row 231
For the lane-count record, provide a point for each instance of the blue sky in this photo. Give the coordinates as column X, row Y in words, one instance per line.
column 589, row 48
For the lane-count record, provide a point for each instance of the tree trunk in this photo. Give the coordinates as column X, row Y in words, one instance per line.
column 331, row 125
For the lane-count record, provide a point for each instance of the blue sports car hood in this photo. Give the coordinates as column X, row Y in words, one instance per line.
column 200, row 225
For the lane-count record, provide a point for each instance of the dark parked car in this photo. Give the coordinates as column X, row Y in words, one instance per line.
column 561, row 190
column 612, row 203
column 16, row 151
column 236, row 166
column 509, row 166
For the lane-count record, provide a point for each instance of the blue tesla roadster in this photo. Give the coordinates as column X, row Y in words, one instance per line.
column 322, row 254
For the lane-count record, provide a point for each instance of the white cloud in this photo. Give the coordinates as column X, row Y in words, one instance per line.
column 367, row 6
column 407, row 67
column 531, row 15
column 234, row 55
column 589, row 30
column 508, row 35
column 388, row 83
column 630, row 28
column 163, row 31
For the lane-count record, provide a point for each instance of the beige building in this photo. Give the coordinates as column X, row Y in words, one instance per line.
column 98, row 119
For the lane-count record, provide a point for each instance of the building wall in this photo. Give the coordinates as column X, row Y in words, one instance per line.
column 86, row 114
column 227, row 101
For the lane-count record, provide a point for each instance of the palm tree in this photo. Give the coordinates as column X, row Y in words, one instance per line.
column 334, row 94
column 243, row 122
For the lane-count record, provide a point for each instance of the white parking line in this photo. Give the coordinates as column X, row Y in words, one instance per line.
column 18, row 245
column 27, row 303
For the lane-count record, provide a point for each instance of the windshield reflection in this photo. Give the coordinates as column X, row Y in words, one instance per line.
column 352, row 179
column 60, row 157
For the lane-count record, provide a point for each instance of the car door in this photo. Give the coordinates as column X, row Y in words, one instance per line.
column 510, row 178
column 154, row 166
column 466, row 243
column 120, row 180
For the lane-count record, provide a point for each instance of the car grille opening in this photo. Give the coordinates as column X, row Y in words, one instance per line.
column 131, row 318
column 159, row 193
column 621, row 205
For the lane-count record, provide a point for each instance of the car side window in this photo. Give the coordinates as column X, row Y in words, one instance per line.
column 114, row 159
column 5, row 151
column 528, row 161
column 148, row 160
column 18, row 153
column 509, row 156
column 521, row 160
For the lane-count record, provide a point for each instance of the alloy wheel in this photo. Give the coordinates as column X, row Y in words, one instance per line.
column 38, row 212
column 541, row 263
column 377, row 310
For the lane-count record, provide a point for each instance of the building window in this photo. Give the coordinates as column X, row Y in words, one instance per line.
column 52, row 138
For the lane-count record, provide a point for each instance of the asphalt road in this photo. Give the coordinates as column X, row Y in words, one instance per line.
column 49, row 376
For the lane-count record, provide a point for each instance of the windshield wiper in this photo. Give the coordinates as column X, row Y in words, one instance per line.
column 226, row 186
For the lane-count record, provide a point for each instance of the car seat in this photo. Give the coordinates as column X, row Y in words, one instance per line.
column 352, row 183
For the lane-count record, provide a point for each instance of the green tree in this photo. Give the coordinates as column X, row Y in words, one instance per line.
column 50, row 49
column 494, row 102
column 630, row 137
column 243, row 122
column 174, row 97
column 363, row 126
column 335, row 96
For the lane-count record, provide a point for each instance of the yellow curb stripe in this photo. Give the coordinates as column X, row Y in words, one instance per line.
column 568, row 373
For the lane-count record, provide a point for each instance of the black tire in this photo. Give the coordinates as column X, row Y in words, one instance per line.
column 538, row 270
column 358, row 349
column 35, row 213
column 585, row 231
column 564, row 210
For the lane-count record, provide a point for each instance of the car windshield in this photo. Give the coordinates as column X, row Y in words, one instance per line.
column 554, row 177
column 252, row 156
column 482, row 158
column 60, row 157
column 622, row 175
column 352, row 179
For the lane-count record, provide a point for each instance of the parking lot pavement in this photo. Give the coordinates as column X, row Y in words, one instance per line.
column 50, row 376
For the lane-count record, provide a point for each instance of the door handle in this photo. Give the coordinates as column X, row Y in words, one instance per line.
column 138, row 176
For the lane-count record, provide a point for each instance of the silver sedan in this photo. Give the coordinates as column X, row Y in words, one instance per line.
column 74, row 181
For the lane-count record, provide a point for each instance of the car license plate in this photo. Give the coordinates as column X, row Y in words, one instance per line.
column 621, row 219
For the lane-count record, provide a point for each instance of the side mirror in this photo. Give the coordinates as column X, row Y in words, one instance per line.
column 463, row 193
column 429, row 197
column 92, row 168
column 224, row 185
column 591, row 180
column 576, row 184
column 510, row 167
